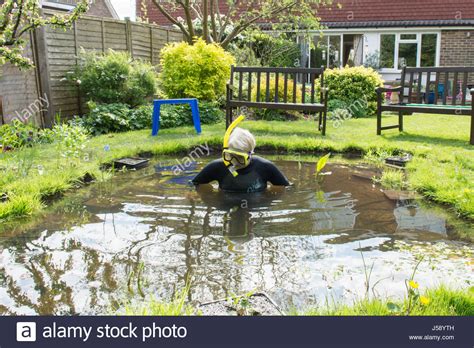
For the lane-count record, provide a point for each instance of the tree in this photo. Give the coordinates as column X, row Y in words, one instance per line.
column 221, row 21
column 19, row 17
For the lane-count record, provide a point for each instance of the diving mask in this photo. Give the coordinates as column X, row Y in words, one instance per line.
column 236, row 157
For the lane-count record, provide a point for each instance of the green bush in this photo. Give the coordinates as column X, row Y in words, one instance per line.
column 16, row 135
column 244, row 56
column 355, row 87
column 107, row 118
column 276, row 115
column 71, row 138
column 355, row 110
column 141, row 117
column 281, row 94
column 275, row 51
column 115, row 77
column 180, row 115
column 115, row 118
column 195, row 71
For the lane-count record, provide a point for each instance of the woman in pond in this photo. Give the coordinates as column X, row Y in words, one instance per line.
column 239, row 170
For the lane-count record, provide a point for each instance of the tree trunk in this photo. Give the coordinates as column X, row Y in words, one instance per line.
column 205, row 24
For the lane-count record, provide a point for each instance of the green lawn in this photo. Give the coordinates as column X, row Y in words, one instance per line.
column 440, row 301
column 442, row 168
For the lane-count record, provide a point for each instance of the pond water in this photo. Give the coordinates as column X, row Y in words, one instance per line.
column 148, row 232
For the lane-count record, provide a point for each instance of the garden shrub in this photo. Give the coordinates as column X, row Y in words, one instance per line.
column 244, row 56
column 355, row 87
column 180, row 115
column 71, row 138
column 276, row 115
column 281, row 83
column 336, row 104
column 115, row 118
column 115, row 77
column 195, row 71
column 16, row 134
column 141, row 117
column 346, row 110
column 107, row 118
column 275, row 51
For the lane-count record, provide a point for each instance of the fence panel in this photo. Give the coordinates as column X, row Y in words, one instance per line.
column 141, row 40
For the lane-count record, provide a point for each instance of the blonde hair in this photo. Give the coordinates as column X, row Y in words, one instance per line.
column 242, row 140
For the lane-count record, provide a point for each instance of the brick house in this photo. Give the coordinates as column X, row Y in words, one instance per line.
column 383, row 34
column 98, row 8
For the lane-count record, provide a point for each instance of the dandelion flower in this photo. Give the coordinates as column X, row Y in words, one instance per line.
column 413, row 284
column 424, row 300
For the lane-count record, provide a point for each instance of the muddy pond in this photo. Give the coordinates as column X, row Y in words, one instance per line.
column 148, row 232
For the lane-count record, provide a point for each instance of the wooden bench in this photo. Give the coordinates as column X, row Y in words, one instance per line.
column 443, row 90
column 293, row 89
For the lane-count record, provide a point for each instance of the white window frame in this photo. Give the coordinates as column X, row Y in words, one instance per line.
column 418, row 41
column 341, row 48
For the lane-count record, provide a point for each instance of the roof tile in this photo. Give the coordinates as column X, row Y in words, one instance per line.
column 372, row 11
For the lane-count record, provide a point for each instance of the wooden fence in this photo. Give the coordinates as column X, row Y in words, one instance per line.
column 57, row 54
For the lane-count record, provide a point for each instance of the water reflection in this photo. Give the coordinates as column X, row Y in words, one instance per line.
column 301, row 244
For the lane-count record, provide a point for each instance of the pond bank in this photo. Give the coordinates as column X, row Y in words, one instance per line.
column 440, row 301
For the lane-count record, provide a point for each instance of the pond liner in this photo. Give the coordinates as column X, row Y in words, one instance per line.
column 259, row 304
column 398, row 161
column 87, row 178
column 3, row 197
column 131, row 163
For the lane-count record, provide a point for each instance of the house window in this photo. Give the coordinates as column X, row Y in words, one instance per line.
column 387, row 51
column 428, row 49
column 407, row 54
column 408, row 36
column 327, row 51
column 60, row 4
column 414, row 50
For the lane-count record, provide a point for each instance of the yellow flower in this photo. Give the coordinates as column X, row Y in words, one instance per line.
column 424, row 300
column 413, row 284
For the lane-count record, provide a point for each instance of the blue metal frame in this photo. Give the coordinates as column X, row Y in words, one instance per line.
column 156, row 112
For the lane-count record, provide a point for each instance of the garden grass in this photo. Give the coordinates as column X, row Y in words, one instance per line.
column 443, row 301
column 442, row 168
column 153, row 307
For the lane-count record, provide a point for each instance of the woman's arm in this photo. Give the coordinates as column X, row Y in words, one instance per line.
column 211, row 172
column 275, row 176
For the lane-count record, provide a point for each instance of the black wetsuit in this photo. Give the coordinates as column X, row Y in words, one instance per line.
column 252, row 178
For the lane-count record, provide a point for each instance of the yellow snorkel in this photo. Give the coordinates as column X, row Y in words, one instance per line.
column 234, row 124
